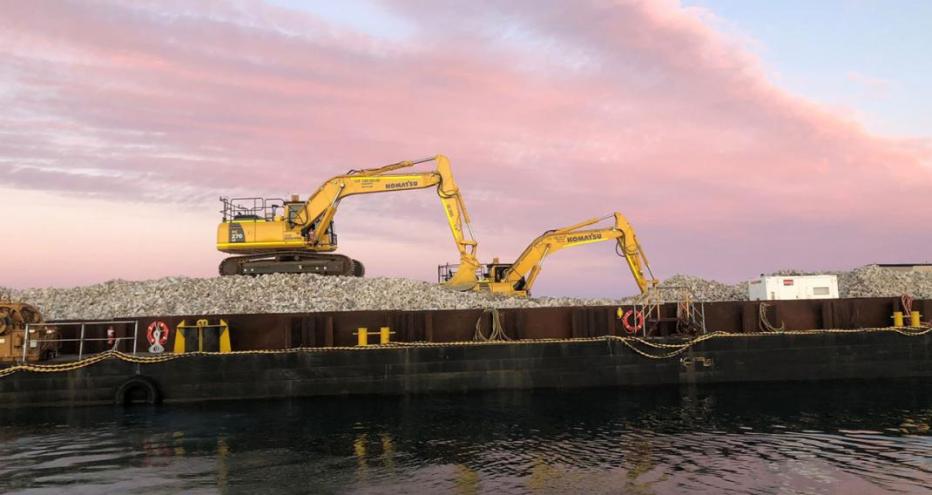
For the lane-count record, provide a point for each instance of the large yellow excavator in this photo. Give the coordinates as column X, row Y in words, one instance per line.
column 278, row 236
column 517, row 279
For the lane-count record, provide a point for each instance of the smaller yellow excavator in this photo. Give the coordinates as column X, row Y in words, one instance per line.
column 517, row 279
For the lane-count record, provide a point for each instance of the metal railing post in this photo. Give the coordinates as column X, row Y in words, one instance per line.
column 704, row 331
column 25, row 343
column 81, row 343
column 37, row 341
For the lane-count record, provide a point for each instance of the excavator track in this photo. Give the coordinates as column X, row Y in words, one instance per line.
column 359, row 269
column 292, row 262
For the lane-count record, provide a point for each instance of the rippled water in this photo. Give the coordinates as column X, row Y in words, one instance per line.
column 844, row 438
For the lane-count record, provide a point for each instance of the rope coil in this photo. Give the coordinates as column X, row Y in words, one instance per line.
column 763, row 323
column 498, row 333
column 906, row 301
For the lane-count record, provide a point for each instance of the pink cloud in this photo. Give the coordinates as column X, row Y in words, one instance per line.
column 552, row 112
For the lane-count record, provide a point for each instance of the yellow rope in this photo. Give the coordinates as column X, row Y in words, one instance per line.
column 764, row 324
column 633, row 343
column 677, row 349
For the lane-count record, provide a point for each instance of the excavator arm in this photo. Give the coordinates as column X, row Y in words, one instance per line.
column 519, row 277
column 315, row 218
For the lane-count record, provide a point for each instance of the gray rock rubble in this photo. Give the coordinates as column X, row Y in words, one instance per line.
column 309, row 293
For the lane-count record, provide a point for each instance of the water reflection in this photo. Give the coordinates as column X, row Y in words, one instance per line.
column 856, row 437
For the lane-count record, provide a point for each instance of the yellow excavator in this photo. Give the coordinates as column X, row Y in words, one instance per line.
column 517, row 279
column 271, row 235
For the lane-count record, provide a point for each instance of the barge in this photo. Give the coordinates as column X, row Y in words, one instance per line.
column 444, row 351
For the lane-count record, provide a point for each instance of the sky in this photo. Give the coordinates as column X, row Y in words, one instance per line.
column 738, row 137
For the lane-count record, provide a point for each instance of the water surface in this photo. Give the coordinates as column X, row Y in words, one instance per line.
column 850, row 438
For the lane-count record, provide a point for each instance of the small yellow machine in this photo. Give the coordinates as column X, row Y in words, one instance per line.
column 14, row 317
column 277, row 236
column 517, row 279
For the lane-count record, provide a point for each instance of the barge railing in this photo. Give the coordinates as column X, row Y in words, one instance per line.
column 82, row 338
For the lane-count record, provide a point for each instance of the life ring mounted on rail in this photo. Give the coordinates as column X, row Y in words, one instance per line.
column 632, row 328
column 157, row 335
column 163, row 329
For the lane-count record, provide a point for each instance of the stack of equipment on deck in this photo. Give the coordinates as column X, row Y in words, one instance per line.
column 15, row 318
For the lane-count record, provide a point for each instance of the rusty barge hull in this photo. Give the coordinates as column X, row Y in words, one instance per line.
column 302, row 355
column 466, row 368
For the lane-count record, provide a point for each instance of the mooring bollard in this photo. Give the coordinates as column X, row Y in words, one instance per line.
column 362, row 337
column 385, row 334
column 897, row 319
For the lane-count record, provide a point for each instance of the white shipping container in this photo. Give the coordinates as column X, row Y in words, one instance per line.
column 781, row 288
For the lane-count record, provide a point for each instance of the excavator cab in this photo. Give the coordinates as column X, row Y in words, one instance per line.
column 485, row 273
column 496, row 271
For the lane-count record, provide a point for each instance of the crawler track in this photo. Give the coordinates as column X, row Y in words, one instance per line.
column 292, row 262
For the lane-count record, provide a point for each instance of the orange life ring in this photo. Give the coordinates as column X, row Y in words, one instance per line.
column 150, row 333
column 638, row 321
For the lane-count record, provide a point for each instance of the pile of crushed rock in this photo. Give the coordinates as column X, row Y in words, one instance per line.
column 866, row 281
column 283, row 293
column 278, row 293
column 874, row 281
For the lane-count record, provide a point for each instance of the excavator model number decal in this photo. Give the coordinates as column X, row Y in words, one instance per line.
column 236, row 233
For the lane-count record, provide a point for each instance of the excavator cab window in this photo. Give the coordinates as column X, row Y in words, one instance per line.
column 499, row 271
column 294, row 210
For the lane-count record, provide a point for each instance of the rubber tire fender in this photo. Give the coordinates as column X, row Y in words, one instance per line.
column 153, row 393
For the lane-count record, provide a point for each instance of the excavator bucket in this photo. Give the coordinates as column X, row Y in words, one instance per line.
column 465, row 277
